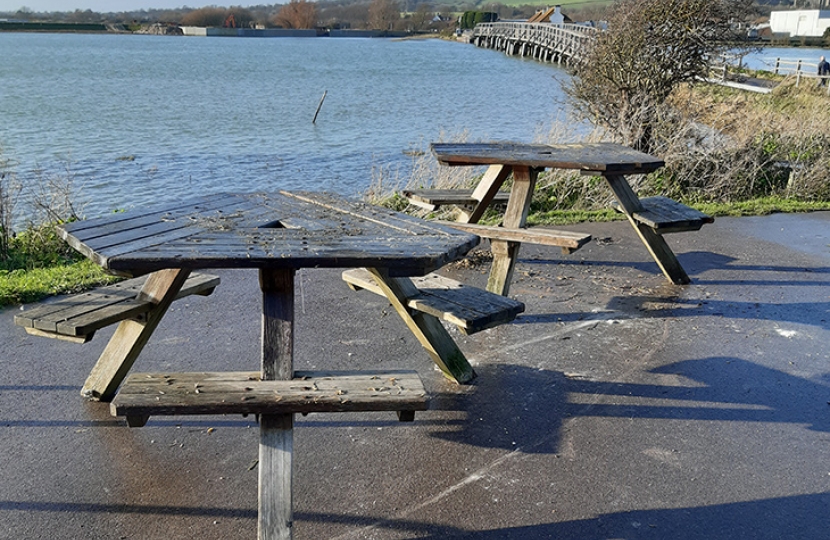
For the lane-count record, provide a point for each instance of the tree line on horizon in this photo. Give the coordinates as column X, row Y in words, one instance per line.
column 409, row 15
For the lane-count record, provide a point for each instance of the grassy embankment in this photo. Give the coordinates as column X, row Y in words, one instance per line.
column 40, row 264
column 727, row 153
column 769, row 153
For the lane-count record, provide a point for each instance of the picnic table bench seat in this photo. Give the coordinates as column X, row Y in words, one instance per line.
column 666, row 215
column 469, row 308
column 431, row 199
column 567, row 240
column 76, row 318
column 146, row 394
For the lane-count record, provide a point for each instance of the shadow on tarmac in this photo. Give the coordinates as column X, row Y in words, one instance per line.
column 766, row 519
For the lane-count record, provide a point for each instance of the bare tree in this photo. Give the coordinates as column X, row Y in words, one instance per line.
column 384, row 14
column 297, row 14
column 9, row 191
column 242, row 17
column 207, row 17
column 650, row 47
column 422, row 16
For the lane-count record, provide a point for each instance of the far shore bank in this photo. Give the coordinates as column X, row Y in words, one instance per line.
column 188, row 31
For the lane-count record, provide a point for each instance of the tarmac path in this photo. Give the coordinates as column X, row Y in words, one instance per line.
column 616, row 406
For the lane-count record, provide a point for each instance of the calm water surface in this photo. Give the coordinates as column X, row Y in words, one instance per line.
column 135, row 119
column 142, row 118
column 765, row 58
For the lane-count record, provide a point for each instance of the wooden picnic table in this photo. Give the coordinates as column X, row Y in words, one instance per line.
column 650, row 217
column 276, row 234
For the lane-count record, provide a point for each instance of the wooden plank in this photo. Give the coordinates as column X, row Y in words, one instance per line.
column 443, row 197
column 130, row 336
column 78, row 233
column 355, row 234
column 469, row 308
column 409, row 255
column 361, row 214
column 247, row 393
column 666, row 215
column 546, row 237
column 71, row 306
column 79, row 316
column 54, row 335
column 201, row 284
column 141, row 213
column 603, row 157
column 427, row 329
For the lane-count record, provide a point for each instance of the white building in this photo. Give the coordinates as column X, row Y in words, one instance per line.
column 800, row 23
column 557, row 17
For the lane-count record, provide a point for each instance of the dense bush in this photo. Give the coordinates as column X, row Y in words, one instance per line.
column 471, row 18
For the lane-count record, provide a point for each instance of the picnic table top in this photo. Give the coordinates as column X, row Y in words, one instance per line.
column 275, row 230
column 596, row 157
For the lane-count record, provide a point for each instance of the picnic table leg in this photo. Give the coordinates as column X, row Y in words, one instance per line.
column 506, row 253
column 276, row 439
column 655, row 243
column 132, row 335
column 485, row 191
column 427, row 329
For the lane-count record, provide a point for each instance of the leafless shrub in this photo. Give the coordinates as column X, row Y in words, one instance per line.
column 426, row 173
column 53, row 197
column 650, row 48
column 9, row 192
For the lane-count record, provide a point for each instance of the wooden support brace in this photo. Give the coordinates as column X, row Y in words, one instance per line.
column 485, row 191
column 655, row 243
column 131, row 336
column 505, row 254
column 427, row 329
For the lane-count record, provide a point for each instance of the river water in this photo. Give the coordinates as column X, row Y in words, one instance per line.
column 135, row 119
column 766, row 57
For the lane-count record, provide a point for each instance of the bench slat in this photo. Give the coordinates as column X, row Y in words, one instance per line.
column 666, row 215
column 567, row 240
column 433, row 198
column 79, row 316
column 469, row 308
column 147, row 394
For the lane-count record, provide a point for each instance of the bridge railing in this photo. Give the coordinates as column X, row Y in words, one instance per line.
column 508, row 29
column 566, row 39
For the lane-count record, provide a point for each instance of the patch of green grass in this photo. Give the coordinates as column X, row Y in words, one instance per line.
column 23, row 286
column 761, row 207
column 566, row 217
column 40, row 264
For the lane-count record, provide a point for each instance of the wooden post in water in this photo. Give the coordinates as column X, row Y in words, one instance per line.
column 319, row 106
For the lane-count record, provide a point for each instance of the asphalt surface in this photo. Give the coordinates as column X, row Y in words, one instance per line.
column 617, row 406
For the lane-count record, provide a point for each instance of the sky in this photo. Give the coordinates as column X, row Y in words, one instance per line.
column 107, row 6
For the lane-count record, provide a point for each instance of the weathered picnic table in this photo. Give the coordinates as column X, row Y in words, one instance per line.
column 651, row 217
column 276, row 234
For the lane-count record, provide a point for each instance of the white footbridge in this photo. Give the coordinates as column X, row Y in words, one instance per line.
column 560, row 43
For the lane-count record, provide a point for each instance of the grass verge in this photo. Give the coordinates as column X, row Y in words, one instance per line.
column 39, row 264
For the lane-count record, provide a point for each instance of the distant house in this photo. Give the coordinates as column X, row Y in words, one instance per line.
column 800, row 23
column 551, row 15
column 559, row 18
